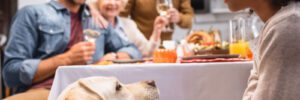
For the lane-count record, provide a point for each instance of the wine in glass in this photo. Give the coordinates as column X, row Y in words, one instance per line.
column 90, row 35
column 162, row 7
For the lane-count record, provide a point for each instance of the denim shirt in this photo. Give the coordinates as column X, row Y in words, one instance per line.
column 42, row 31
column 119, row 27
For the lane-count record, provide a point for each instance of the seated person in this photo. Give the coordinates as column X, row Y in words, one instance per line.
column 44, row 37
column 127, row 28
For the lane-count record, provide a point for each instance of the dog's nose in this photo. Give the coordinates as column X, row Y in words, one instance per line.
column 151, row 83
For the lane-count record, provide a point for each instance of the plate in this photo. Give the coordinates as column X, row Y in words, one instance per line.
column 214, row 56
column 212, row 52
column 214, row 60
column 128, row 61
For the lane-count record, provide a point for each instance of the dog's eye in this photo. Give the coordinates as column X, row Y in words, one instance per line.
column 118, row 86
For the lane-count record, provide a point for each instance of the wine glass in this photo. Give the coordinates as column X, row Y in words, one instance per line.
column 162, row 7
column 90, row 34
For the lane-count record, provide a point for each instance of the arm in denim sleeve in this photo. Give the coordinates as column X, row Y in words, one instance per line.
column 132, row 50
column 19, row 62
column 114, row 43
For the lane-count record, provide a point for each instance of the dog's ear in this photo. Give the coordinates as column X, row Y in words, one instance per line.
column 90, row 86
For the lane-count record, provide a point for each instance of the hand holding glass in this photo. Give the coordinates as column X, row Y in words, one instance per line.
column 163, row 7
column 90, row 36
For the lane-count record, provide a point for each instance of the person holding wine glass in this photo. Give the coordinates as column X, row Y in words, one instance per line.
column 162, row 7
column 144, row 13
column 276, row 71
column 127, row 29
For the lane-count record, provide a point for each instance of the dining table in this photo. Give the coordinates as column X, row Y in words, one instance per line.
column 175, row 81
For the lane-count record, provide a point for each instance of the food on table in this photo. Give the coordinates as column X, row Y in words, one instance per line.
column 207, row 43
column 200, row 38
column 216, row 35
column 105, row 62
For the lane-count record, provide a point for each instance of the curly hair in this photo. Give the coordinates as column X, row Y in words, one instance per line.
column 282, row 2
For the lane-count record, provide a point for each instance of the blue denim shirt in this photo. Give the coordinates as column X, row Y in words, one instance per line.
column 119, row 27
column 42, row 31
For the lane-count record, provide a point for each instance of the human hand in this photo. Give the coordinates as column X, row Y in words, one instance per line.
column 80, row 53
column 109, row 56
column 123, row 56
column 159, row 23
column 174, row 15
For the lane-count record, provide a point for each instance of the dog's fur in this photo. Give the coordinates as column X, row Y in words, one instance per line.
column 109, row 88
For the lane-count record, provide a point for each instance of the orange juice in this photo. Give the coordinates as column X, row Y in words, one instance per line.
column 165, row 56
column 242, row 48
column 249, row 54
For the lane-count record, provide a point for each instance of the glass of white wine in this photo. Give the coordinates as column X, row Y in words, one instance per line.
column 90, row 34
column 162, row 7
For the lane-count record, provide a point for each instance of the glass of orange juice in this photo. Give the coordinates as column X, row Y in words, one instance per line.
column 242, row 48
column 238, row 38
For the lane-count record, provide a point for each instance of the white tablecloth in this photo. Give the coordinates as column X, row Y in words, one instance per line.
column 197, row 81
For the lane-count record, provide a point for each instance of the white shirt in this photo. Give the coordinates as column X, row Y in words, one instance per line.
column 129, row 31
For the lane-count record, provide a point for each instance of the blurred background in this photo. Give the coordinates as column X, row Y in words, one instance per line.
column 208, row 14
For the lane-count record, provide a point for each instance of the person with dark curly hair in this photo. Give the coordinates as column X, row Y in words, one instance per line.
column 276, row 71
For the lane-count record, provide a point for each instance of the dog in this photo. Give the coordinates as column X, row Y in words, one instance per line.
column 109, row 88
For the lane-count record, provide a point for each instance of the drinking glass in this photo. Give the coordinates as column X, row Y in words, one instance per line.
column 239, row 42
column 162, row 7
column 90, row 34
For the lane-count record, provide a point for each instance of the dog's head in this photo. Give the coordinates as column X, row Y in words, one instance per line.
column 145, row 90
column 109, row 88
